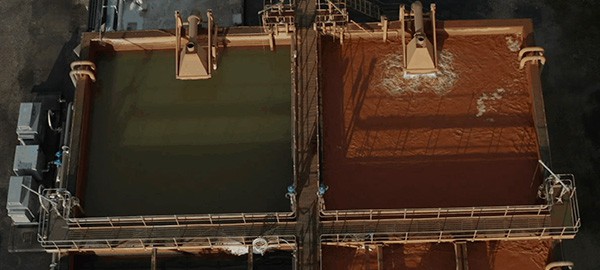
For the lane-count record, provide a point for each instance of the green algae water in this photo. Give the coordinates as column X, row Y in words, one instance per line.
column 164, row 146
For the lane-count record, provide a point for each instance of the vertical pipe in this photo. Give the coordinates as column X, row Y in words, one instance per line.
column 210, row 48
column 193, row 22
column 120, row 16
column 250, row 258
column 457, row 256
column 153, row 260
column 65, row 148
column 215, row 42
column 272, row 41
column 435, row 56
column 417, row 9
column 384, row 27
column 402, row 10
column 379, row 257
column 178, row 25
column 55, row 261
column 67, row 127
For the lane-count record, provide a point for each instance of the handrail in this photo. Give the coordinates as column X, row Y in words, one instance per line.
column 454, row 235
column 407, row 213
column 241, row 218
column 275, row 241
column 422, row 230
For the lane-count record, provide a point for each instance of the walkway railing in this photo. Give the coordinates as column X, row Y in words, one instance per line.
column 162, row 220
column 331, row 16
column 542, row 232
column 278, row 16
column 287, row 242
column 553, row 220
column 366, row 7
column 58, row 231
column 409, row 213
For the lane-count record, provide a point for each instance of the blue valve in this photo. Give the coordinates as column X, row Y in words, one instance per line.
column 322, row 189
column 57, row 162
column 291, row 192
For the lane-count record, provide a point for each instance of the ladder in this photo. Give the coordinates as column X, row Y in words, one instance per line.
column 366, row 7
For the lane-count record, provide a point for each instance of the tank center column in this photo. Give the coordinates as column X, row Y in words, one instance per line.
column 307, row 128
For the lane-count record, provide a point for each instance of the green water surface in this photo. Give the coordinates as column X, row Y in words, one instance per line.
column 165, row 146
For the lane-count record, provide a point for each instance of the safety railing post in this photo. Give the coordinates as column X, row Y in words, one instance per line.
column 542, row 234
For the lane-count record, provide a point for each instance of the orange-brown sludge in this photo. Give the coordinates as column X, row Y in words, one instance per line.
column 464, row 138
column 492, row 255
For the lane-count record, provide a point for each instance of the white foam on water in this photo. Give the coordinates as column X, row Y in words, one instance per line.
column 396, row 81
column 482, row 107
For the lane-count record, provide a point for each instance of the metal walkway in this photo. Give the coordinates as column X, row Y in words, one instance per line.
column 63, row 237
column 307, row 137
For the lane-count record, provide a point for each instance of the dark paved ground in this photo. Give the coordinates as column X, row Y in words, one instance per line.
column 36, row 37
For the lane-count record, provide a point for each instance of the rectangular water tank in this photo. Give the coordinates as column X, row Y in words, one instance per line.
column 30, row 123
column 21, row 203
column 29, row 160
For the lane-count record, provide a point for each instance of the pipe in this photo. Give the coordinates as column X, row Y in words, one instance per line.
column 523, row 51
column 83, row 63
column 50, row 114
column 153, row 264
column 384, row 27
column 65, row 148
column 532, row 58
column 250, row 258
column 74, row 73
column 193, row 22
column 178, row 26
column 190, row 47
column 417, row 9
column 210, row 19
column 55, row 261
column 553, row 265
column 67, row 126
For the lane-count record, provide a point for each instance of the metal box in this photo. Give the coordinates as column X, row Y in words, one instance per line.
column 21, row 217
column 29, row 160
column 29, row 125
column 21, row 203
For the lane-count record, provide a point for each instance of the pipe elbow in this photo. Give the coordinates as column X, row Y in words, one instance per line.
column 554, row 265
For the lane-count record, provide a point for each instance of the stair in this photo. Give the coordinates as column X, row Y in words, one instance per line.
column 366, row 7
